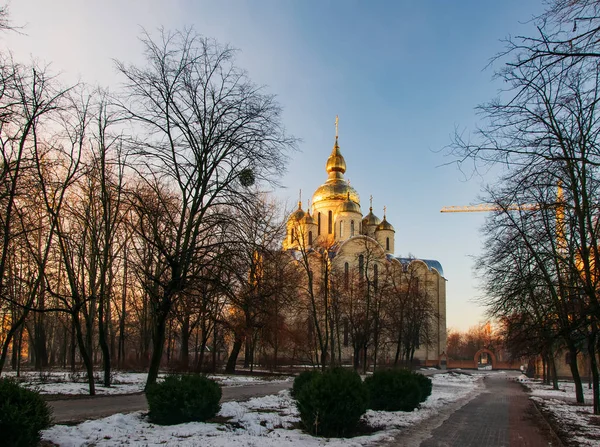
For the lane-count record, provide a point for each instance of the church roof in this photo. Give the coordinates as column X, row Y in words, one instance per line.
column 431, row 263
column 336, row 187
column 299, row 213
column 385, row 225
column 349, row 206
column 308, row 219
column 371, row 219
column 335, row 162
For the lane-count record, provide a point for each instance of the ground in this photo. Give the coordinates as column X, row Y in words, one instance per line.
column 575, row 424
column 266, row 421
column 273, row 420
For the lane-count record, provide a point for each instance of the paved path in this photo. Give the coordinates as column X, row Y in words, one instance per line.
column 502, row 415
column 77, row 410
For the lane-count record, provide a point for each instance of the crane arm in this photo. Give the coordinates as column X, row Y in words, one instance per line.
column 486, row 207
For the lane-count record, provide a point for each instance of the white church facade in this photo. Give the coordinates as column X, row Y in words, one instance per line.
column 388, row 307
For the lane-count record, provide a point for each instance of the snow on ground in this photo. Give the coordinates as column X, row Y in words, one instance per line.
column 62, row 382
column 266, row 421
column 576, row 422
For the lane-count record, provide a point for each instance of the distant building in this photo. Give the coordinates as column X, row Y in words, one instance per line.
column 360, row 250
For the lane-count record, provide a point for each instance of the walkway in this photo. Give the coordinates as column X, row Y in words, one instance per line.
column 77, row 410
column 502, row 415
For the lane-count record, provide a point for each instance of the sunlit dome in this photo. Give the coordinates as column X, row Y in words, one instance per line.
column 385, row 225
column 308, row 219
column 348, row 206
column 336, row 187
column 299, row 213
column 370, row 219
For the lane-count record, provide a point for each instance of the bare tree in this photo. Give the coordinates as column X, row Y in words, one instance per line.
column 544, row 130
column 207, row 134
column 28, row 98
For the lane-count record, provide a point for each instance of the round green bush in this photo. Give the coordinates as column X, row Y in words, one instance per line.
column 393, row 390
column 183, row 398
column 23, row 414
column 425, row 384
column 332, row 403
column 302, row 379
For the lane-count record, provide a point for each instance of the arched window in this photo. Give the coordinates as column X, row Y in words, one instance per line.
column 330, row 222
column 375, row 277
column 346, row 275
column 351, row 228
column 292, row 236
column 387, row 243
column 341, row 229
column 361, row 266
column 319, row 224
column 310, row 238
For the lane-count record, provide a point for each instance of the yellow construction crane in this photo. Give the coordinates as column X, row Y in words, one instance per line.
column 485, row 207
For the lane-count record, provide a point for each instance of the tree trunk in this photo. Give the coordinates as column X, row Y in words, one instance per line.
column 235, row 351
column 356, row 357
column 158, row 343
column 552, row 370
column 85, row 355
column 184, row 352
column 19, row 346
column 592, row 343
column 203, row 343
column 103, row 342
column 247, row 352
column 576, row 376
column 215, row 346
column 9, row 337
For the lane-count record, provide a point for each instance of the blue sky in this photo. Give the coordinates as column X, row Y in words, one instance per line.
column 401, row 75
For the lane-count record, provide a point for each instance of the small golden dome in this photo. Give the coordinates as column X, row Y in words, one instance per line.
column 348, row 206
column 308, row 219
column 299, row 213
column 385, row 225
column 335, row 162
column 336, row 187
column 370, row 219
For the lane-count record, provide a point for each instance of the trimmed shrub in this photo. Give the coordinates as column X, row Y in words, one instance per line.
column 425, row 384
column 302, row 379
column 23, row 414
column 183, row 398
column 332, row 403
column 393, row 390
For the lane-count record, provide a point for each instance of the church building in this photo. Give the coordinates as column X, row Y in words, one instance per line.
column 349, row 257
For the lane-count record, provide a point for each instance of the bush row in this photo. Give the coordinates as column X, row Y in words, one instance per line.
column 332, row 402
column 183, row 398
column 23, row 415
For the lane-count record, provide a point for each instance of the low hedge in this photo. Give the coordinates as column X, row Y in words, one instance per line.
column 397, row 390
column 183, row 398
column 302, row 379
column 332, row 402
column 23, row 415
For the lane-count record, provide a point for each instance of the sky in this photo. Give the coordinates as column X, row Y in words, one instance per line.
column 401, row 75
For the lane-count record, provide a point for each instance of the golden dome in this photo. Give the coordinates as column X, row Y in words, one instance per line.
column 348, row 206
column 370, row 219
column 308, row 219
column 335, row 190
column 335, row 162
column 299, row 213
column 385, row 225
column 336, row 187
